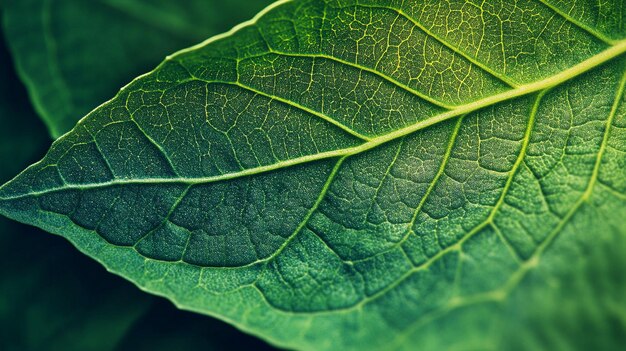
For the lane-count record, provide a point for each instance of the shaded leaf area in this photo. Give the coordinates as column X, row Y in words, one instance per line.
column 75, row 54
column 366, row 175
column 54, row 298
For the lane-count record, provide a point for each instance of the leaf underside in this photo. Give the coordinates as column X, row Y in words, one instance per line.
column 366, row 175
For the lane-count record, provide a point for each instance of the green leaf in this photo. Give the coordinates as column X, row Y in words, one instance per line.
column 74, row 54
column 367, row 175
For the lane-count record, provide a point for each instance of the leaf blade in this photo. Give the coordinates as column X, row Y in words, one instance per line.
column 367, row 228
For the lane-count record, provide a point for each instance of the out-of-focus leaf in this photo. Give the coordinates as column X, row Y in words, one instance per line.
column 75, row 54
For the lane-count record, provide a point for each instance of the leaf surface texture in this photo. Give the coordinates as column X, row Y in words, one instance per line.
column 365, row 175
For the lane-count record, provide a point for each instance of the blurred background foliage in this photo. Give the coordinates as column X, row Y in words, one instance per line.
column 73, row 55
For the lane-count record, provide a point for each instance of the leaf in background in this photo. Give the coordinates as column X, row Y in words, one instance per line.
column 335, row 175
column 54, row 298
column 74, row 54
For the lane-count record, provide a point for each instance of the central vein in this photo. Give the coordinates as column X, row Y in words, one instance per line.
column 585, row 66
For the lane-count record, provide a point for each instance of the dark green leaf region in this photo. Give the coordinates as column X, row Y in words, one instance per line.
column 336, row 175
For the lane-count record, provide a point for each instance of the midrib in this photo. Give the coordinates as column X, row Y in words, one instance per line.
column 618, row 49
